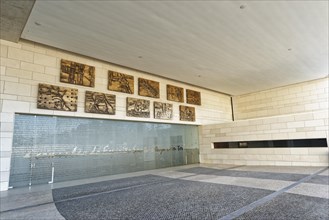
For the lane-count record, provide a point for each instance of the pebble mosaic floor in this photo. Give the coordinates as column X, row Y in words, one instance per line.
column 187, row 192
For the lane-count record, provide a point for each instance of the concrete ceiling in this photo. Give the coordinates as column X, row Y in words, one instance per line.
column 228, row 46
column 13, row 17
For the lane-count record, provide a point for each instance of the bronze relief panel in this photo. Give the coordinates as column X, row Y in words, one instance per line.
column 77, row 73
column 57, row 98
column 138, row 108
column 175, row 93
column 186, row 113
column 163, row 110
column 193, row 97
column 96, row 102
column 120, row 82
column 148, row 88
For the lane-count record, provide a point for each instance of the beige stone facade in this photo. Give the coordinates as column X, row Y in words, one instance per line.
column 292, row 112
column 26, row 64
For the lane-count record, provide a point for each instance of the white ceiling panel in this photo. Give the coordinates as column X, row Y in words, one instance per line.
column 212, row 44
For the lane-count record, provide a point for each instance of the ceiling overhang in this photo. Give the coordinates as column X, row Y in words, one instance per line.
column 232, row 47
column 13, row 17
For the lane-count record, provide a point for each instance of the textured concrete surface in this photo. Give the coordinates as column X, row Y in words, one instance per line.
column 249, row 174
column 13, row 17
column 106, row 186
column 42, row 212
column 176, row 199
column 280, row 169
column 313, row 190
column 187, row 192
column 290, row 206
column 20, row 200
column 325, row 173
column 319, row 179
column 245, row 182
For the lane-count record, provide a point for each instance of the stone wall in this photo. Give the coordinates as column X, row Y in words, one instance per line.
column 26, row 64
column 298, row 98
column 297, row 119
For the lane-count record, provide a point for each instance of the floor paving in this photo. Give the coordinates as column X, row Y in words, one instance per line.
column 184, row 192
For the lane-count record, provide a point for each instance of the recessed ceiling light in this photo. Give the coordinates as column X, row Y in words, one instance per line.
column 140, row 57
column 243, row 6
column 289, row 49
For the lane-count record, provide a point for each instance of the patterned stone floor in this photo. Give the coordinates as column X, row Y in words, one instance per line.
column 186, row 192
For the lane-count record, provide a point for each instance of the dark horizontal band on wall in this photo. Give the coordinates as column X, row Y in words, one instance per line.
column 319, row 142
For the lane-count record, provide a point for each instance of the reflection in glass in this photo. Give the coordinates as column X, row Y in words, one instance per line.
column 75, row 148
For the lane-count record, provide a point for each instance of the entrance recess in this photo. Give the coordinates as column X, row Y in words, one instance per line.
column 50, row 149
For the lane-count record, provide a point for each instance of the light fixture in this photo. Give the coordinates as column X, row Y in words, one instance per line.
column 243, row 6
